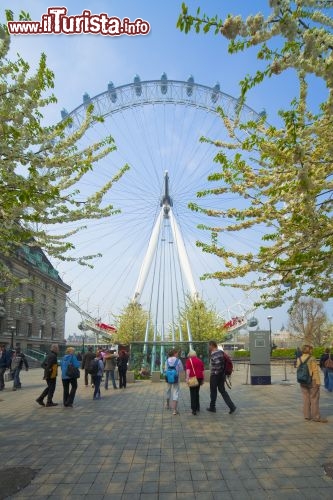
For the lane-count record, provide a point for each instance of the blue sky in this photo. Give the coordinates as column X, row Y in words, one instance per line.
column 86, row 63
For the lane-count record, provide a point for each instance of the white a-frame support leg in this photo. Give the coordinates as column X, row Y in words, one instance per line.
column 147, row 261
column 183, row 258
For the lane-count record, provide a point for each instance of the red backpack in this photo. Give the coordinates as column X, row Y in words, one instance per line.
column 228, row 365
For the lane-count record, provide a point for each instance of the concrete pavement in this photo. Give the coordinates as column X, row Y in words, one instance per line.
column 128, row 447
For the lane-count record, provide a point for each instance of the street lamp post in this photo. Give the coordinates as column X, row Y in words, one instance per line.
column 270, row 333
column 12, row 329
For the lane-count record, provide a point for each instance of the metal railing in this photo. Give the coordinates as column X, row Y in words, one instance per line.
column 34, row 354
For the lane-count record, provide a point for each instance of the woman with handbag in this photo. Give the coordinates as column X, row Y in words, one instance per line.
column 194, row 379
column 70, row 372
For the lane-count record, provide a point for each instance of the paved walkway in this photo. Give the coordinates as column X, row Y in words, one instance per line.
column 127, row 446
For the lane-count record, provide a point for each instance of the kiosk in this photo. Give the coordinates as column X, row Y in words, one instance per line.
column 260, row 357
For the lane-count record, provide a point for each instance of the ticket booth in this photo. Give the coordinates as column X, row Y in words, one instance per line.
column 260, row 357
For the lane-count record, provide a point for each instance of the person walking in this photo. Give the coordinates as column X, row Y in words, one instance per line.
column 17, row 362
column 328, row 366
column 69, row 383
column 97, row 377
column 86, row 359
column 110, row 363
column 122, row 368
column 50, row 366
column 173, row 364
column 311, row 393
column 323, row 358
column 194, row 368
column 5, row 358
column 217, row 378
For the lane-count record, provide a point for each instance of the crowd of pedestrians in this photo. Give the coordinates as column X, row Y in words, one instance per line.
column 96, row 366
column 12, row 360
column 101, row 366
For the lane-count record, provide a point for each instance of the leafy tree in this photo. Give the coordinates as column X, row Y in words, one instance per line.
column 204, row 322
column 309, row 321
column 41, row 166
column 282, row 176
column 132, row 323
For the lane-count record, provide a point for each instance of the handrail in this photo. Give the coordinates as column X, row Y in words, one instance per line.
column 38, row 355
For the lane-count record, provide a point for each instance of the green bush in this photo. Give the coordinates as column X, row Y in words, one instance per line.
column 241, row 354
column 284, row 353
column 287, row 353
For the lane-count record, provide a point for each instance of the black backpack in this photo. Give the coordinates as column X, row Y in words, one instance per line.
column 93, row 366
column 303, row 374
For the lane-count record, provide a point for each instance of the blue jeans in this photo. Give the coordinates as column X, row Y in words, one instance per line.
column 329, row 380
column 16, row 378
column 109, row 374
column 97, row 386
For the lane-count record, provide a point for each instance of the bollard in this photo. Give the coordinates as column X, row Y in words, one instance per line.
column 247, row 374
column 285, row 379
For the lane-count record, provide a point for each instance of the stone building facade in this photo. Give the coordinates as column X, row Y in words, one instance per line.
column 32, row 316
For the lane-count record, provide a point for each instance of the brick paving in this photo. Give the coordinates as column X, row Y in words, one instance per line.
column 128, row 447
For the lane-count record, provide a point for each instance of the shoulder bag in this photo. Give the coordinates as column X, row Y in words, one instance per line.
column 329, row 363
column 193, row 381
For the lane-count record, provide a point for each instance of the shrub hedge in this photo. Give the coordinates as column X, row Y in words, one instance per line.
column 281, row 353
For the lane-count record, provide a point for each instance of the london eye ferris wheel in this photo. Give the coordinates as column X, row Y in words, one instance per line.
column 149, row 249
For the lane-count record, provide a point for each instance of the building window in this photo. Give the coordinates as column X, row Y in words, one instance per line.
column 42, row 313
column 30, row 310
column 31, row 294
column 43, row 298
column 29, row 329
column 53, row 333
column 54, row 315
column 18, row 327
column 41, row 331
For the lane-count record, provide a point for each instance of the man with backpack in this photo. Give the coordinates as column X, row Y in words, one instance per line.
column 96, row 369
column 307, row 366
column 217, row 378
column 173, row 367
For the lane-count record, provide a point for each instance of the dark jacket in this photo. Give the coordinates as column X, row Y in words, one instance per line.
column 87, row 357
column 324, row 357
column 122, row 362
column 5, row 359
column 51, row 366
